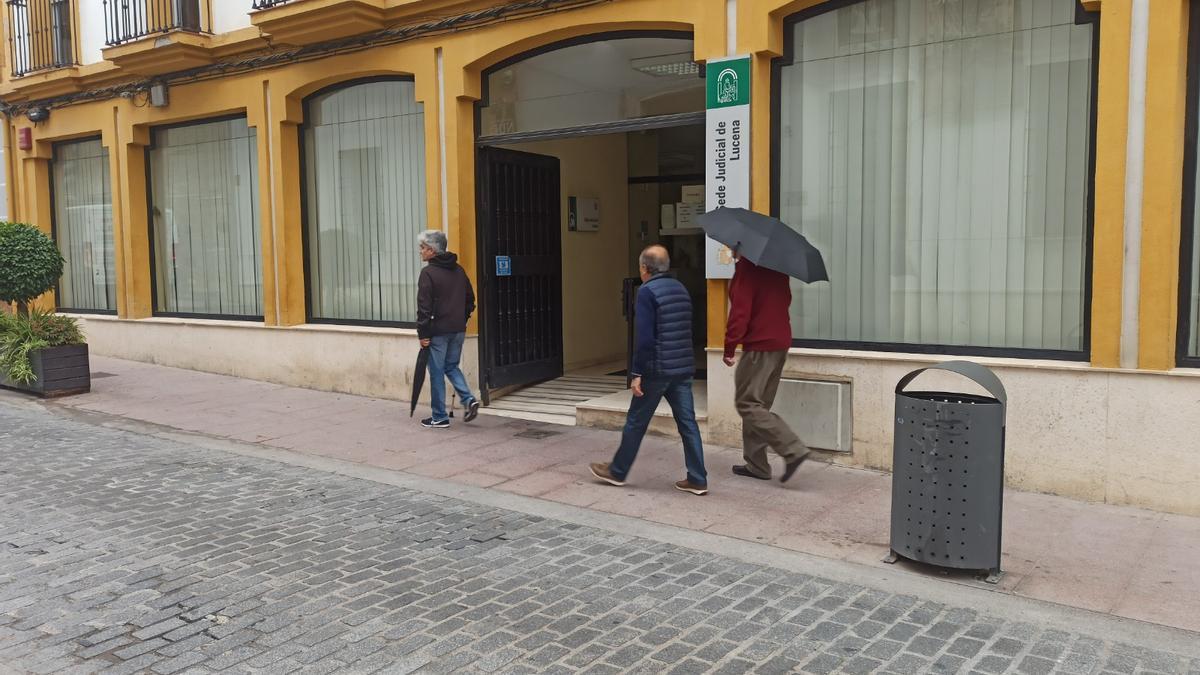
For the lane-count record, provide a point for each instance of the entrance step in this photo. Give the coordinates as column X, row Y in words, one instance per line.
column 566, row 420
column 555, row 401
column 608, row 412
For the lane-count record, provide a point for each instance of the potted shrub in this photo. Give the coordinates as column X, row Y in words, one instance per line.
column 40, row 352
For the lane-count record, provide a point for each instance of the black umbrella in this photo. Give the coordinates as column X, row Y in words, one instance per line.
column 766, row 242
column 419, row 377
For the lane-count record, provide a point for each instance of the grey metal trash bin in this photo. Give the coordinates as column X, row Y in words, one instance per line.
column 948, row 475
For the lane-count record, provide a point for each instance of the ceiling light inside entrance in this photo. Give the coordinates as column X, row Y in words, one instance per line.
column 667, row 65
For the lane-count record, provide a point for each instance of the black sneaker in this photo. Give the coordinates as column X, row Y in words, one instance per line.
column 428, row 423
column 472, row 410
column 791, row 468
column 743, row 470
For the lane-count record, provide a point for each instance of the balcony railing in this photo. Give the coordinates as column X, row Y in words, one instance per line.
column 267, row 4
column 129, row 20
column 41, row 35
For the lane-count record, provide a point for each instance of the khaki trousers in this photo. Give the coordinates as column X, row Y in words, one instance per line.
column 756, row 382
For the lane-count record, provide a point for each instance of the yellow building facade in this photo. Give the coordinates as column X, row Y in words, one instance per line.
column 237, row 188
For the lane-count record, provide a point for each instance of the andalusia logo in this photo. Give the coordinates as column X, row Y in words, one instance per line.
column 727, row 87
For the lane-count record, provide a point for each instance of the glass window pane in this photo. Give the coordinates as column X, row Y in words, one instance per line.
column 364, row 151
column 592, row 83
column 937, row 154
column 60, row 30
column 204, row 210
column 83, row 226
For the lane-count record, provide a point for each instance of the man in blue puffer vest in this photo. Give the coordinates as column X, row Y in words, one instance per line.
column 663, row 366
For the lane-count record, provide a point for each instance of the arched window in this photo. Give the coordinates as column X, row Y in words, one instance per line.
column 939, row 154
column 364, row 199
column 596, row 80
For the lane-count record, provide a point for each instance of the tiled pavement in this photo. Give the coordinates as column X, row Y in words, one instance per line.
column 122, row 552
column 1122, row 561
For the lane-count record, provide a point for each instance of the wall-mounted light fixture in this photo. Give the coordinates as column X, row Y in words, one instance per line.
column 158, row 95
column 38, row 114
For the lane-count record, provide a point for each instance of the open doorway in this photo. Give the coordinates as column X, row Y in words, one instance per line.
column 588, row 153
column 666, row 193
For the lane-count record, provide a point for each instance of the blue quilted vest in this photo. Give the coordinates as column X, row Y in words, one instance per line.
column 673, row 354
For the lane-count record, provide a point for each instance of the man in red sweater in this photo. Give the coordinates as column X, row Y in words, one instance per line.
column 759, row 320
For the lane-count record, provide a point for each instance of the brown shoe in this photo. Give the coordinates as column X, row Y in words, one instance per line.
column 600, row 470
column 687, row 486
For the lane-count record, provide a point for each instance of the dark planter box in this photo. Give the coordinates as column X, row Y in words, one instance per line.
column 58, row 371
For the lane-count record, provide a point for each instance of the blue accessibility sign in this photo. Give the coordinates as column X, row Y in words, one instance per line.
column 503, row 266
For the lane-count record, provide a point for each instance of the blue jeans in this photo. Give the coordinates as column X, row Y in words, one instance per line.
column 678, row 392
column 445, row 351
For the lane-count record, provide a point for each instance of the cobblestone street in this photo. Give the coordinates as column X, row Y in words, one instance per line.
column 123, row 553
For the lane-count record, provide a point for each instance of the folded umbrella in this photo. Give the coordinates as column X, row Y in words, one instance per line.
column 766, row 242
column 419, row 377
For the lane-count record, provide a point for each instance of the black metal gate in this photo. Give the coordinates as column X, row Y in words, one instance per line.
column 520, row 262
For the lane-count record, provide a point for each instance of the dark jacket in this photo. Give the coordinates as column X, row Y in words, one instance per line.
column 445, row 299
column 663, row 326
column 760, row 302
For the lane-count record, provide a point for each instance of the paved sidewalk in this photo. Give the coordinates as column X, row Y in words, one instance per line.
column 123, row 550
column 1114, row 560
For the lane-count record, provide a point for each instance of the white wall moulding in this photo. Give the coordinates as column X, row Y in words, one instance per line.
column 1135, row 154
column 1086, row 433
column 230, row 15
column 364, row 361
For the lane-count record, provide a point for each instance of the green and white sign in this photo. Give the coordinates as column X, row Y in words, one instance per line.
column 727, row 153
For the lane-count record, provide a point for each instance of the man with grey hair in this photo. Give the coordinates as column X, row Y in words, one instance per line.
column 663, row 367
column 445, row 301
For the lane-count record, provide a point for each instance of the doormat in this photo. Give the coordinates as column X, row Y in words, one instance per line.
column 536, row 434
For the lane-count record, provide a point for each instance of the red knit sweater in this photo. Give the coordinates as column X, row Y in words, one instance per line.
column 759, row 310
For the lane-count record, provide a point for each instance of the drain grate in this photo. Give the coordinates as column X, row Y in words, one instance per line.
column 100, row 376
column 536, row 434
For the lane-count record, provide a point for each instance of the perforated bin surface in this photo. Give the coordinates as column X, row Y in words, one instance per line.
column 948, row 481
